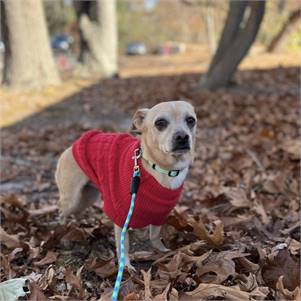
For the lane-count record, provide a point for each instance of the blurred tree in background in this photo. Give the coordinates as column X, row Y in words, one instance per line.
column 288, row 26
column 170, row 20
column 97, row 33
column 278, row 13
column 28, row 60
column 240, row 30
column 93, row 27
column 193, row 21
column 98, row 36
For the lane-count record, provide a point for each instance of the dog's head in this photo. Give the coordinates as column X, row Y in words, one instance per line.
column 167, row 131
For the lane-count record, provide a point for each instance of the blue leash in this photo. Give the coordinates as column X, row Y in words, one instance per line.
column 134, row 189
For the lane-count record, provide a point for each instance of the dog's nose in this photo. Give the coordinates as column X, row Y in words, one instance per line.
column 182, row 138
column 181, row 141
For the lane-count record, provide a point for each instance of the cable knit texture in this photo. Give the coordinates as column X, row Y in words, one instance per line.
column 106, row 159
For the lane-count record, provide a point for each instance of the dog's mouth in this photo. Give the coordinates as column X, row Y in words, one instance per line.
column 180, row 150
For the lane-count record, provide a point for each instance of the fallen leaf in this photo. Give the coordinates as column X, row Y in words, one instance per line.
column 11, row 199
column 237, row 196
column 267, row 133
column 259, row 209
column 50, row 257
column 163, row 295
column 179, row 221
column 47, row 278
column 284, row 294
column 213, row 291
column 74, row 234
column 103, row 269
column 275, row 183
column 145, row 256
column 20, row 217
column 174, row 295
column 35, row 293
column 12, row 241
column 173, row 267
column 293, row 245
column 282, row 264
column 107, row 296
column 218, row 266
column 185, row 249
column 247, row 282
column 127, row 288
column 73, row 279
column 199, row 229
column 56, row 236
column 13, row 209
column 247, row 265
column 147, row 279
column 293, row 147
column 5, row 265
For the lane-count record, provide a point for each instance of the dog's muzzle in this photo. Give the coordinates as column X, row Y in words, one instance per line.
column 181, row 142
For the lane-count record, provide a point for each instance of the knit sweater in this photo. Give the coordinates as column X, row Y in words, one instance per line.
column 106, row 159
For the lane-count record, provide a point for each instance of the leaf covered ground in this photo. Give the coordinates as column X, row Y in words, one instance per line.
column 235, row 234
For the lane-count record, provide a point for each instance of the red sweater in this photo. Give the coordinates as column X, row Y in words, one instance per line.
column 106, row 159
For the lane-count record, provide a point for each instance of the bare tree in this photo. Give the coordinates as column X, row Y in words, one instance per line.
column 240, row 30
column 207, row 10
column 286, row 29
column 28, row 59
column 98, row 36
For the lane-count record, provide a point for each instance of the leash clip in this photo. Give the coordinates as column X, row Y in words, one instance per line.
column 137, row 155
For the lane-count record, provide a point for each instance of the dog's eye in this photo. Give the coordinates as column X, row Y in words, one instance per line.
column 161, row 124
column 190, row 121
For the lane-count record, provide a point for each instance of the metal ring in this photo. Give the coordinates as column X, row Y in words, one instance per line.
column 138, row 153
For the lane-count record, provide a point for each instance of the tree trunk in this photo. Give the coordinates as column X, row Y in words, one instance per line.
column 98, row 35
column 286, row 29
column 239, row 33
column 4, row 38
column 210, row 26
column 28, row 59
column 231, row 28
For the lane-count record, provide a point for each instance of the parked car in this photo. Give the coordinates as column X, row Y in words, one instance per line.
column 61, row 42
column 136, row 48
column 170, row 48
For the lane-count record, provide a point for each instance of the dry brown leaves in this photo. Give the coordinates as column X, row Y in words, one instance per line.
column 284, row 294
column 49, row 258
column 205, row 291
column 282, row 264
column 236, row 233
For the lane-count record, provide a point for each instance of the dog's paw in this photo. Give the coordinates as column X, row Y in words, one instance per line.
column 129, row 266
column 158, row 244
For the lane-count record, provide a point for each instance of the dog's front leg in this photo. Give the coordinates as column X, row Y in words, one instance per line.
column 127, row 262
column 155, row 239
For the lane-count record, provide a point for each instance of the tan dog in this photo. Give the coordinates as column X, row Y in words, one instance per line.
column 167, row 140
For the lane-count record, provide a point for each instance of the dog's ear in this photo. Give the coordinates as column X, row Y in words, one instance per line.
column 137, row 121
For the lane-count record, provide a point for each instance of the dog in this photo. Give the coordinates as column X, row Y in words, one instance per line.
column 166, row 141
